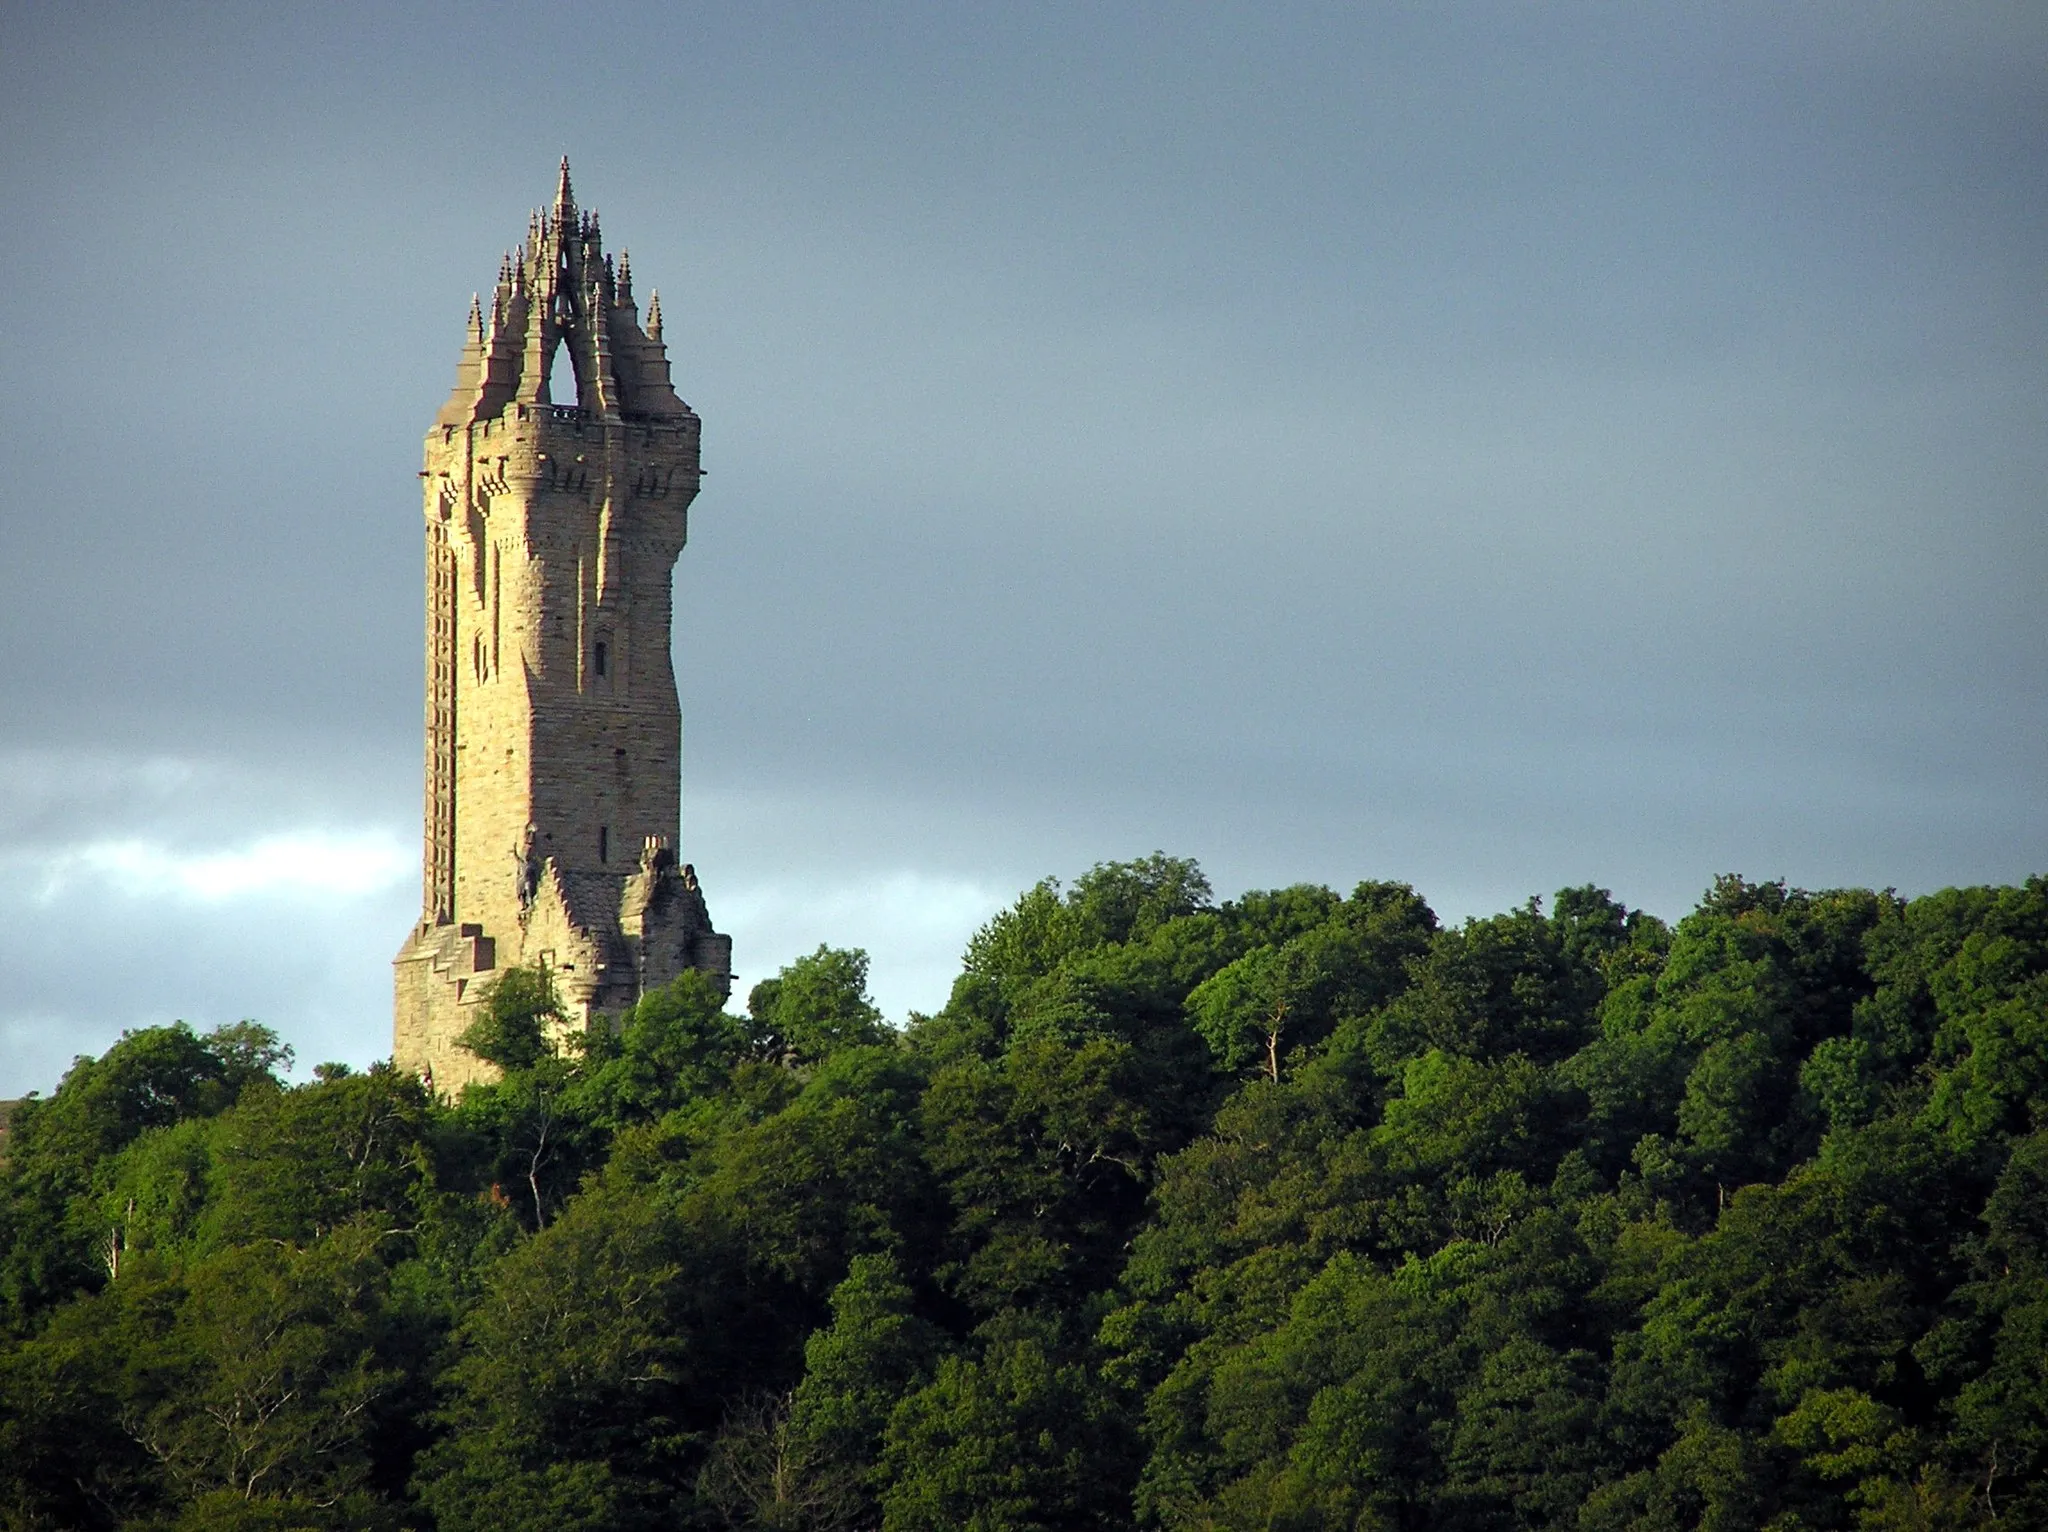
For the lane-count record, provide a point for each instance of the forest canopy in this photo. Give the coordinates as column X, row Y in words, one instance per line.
column 1300, row 1210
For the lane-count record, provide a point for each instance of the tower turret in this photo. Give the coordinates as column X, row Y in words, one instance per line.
column 557, row 500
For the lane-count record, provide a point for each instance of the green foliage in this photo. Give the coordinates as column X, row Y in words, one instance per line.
column 152, row 1078
column 676, row 1045
column 295, row 1165
column 859, row 1367
column 570, row 1370
column 256, row 1374
column 514, row 1020
column 814, row 1007
column 1288, row 1211
column 1012, row 1439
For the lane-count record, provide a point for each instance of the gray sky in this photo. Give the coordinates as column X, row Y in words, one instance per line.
column 1493, row 446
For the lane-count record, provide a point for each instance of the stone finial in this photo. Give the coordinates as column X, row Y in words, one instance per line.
column 476, row 317
column 654, row 315
column 623, row 283
column 565, row 200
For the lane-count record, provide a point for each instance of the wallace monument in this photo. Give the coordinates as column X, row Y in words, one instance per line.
column 553, row 730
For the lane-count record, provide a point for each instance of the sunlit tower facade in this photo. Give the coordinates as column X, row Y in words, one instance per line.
column 558, row 482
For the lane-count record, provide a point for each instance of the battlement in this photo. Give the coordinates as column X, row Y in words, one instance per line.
column 525, row 419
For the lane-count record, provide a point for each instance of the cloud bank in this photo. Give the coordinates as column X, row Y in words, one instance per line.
column 1496, row 447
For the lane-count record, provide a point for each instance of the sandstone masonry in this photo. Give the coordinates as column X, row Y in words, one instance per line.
column 554, row 736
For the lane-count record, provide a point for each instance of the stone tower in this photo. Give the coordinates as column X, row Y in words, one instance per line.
column 558, row 482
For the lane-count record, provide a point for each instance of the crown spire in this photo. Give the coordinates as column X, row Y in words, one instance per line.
column 561, row 289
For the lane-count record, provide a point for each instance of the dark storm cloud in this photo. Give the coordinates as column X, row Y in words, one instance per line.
column 1497, row 446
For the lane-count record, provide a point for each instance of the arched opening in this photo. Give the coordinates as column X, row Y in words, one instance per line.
column 561, row 387
column 604, row 843
column 600, row 657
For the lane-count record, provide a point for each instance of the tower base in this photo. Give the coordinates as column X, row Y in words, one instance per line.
column 601, row 959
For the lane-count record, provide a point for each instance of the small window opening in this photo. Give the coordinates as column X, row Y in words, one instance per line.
column 600, row 656
column 604, row 843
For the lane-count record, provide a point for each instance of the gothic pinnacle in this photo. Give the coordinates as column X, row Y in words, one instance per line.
column 476, row 317
column 565, row 199
column 654, row 315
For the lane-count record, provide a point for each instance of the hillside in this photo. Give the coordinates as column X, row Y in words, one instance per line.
column 1298, row 1210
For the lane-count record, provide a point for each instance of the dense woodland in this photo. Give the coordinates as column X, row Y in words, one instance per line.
column 1296, row 1211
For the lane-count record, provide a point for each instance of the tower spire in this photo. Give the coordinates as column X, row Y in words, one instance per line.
column 565, row 202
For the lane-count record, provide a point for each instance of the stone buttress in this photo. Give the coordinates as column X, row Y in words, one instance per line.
column 554, row 735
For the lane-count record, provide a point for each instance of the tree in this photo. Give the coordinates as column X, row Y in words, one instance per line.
column 814, row 1007
column 1247, row 1010
column 1287, row 994
column 1292, row 1211
column 1045, row 1154
column 266, row 1380
column 571, row 1370
column 252, row 1376
column 296, row 1165
column 859, row 1368
column 151, row 1078
column 540, row 1146
column 514, row 1023
column 676, row 1045
column 763, row 1472
column 1015, row 1440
